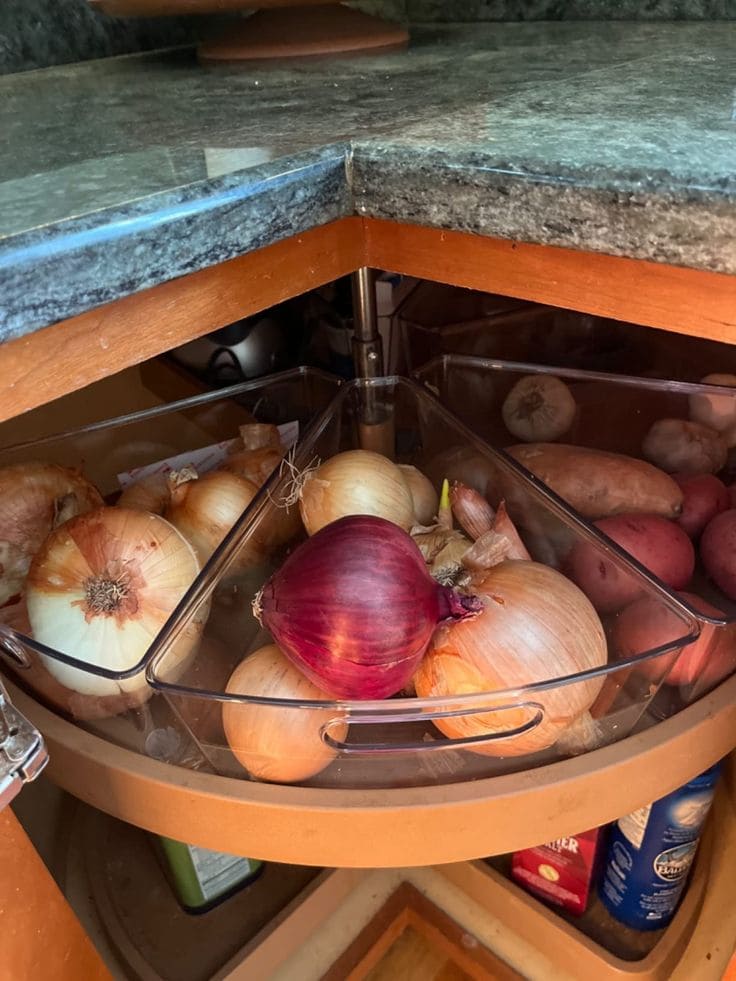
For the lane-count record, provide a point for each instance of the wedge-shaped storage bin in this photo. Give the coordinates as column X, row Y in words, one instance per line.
column 399, row 741
column 613, row 413
column 114, row 455
column 437, row 319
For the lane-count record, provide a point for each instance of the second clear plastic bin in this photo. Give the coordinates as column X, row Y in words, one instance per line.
column 118, row 703
column 613, row 413
column 395, row 742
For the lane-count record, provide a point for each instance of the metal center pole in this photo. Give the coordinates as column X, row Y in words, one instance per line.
column 375, row 420
column 367, row 348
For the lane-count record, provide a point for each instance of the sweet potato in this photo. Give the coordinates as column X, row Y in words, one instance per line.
column 600, row 484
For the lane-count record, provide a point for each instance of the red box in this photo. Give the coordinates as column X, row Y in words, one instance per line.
column 562, row 871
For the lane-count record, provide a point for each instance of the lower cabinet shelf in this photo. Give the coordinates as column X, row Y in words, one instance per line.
column 398, row 827
column 334, row 924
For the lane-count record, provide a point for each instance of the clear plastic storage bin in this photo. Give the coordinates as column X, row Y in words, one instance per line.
column 394, row 742
column 613, row 413
column 111, row 455
column 438, row 319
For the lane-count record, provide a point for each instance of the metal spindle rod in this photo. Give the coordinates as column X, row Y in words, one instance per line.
column 367, row 348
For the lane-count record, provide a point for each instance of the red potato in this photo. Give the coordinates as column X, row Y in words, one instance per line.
column 660, row 545
column 718, row 551
column 703, row 497
column 732, row 495
column 647, row 624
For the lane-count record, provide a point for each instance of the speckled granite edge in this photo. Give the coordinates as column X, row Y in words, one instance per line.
column 62, row 270
column 686, row 227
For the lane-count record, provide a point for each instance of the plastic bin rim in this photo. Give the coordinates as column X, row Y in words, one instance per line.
column 200, row 591
column 658, row 384
column 141, row 415
column 634, row 381
column 252, row 384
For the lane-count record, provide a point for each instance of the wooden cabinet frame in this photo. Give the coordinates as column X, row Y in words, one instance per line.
column 69, row 355
column 322, row 827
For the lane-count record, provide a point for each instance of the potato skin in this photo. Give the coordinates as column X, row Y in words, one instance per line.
column 704, row 496
column 659, row 545
column 647, row 624
column 600, row 484
column 718, row 551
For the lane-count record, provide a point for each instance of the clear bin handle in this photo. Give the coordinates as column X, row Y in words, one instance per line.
column 375, row 749
column 12, row 650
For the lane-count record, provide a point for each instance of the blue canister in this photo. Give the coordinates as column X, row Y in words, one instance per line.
column 650, row 852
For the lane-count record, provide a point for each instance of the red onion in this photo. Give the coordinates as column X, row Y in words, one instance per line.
column 354, row 607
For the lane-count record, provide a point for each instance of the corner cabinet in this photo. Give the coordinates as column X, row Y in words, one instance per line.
column 377, row 828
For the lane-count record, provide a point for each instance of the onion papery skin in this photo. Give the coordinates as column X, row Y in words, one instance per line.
column 254, row 465
column 354, row 607
column 33, row 498
column 355, row 482
column 536, row 626
column 425, row 498
column 36, row 677
column 152, row 565
column 281, row 745
column 206, row 508
column 149, row 494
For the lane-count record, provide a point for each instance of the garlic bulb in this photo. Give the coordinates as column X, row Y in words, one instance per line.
column 716, row 411
column 35, row 498
column 100, row 590
column 539, row 408
column 205, row 508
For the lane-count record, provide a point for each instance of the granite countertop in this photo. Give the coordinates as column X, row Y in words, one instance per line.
column 122, row 173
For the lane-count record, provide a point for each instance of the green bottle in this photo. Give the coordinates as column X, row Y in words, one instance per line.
column 200, row 878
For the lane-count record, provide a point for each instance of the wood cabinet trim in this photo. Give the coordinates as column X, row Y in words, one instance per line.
column 686, row 301
column 69, row 355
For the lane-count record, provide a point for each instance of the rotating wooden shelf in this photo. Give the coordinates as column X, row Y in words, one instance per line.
column 359, row 828
column 394, row 827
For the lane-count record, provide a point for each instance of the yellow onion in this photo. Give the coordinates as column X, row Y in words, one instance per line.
column 205, row 508
column 258, row 435
column 258, row 455
column 272, row 742
column 423, row 494
column 34, row 676
column 355, row 482
column 152, row 493
column 254, row 465
column 536, row 626
column 101, row 588
column 35, row 498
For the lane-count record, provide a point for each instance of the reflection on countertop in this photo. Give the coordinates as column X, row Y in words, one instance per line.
column 122, row 173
